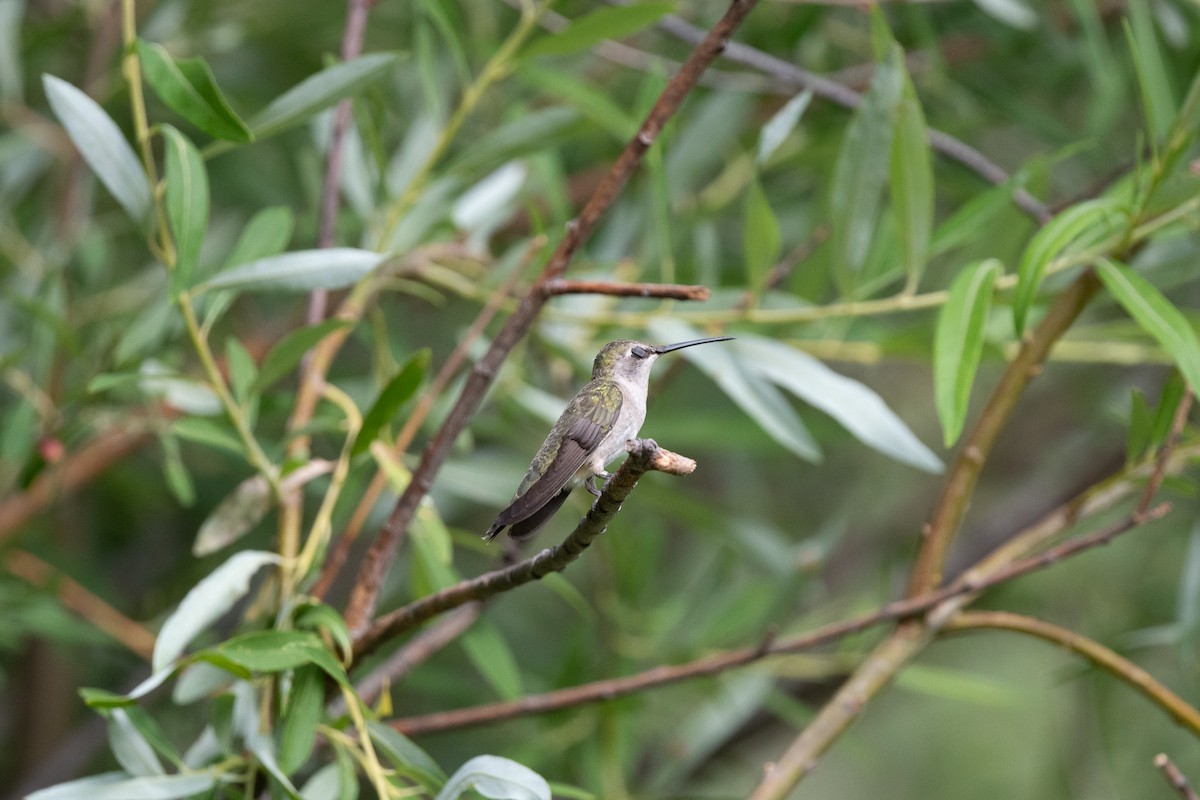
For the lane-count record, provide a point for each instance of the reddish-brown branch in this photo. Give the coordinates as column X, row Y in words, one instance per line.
column 383, row 550
column 644, row 455
column 1177, row 780
column 76, row 598
column 599, row 691
column 76, row 469
column 670, row 291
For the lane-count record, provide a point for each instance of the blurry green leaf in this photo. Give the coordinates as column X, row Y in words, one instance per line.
column 958, row 343
column 1185, row 126
column 527, row 133
column 101, row 699
column 320, row 91
column 613, row 22
column 399, row 390
column 318, row 617
column 279, row 650
column 298, row 271
column 266, row 234
column 243, row 373
column 288, row 351
column 497, row 779
column 178, row 479
column 765, row 404
column 119, row 786
column 234, row 516
column 977, row 214
column 761, row 242
column 207, row 602
column 491, row 200
column 132, row 751
column 1138, row 440
column 189, row 88
column 102, row 146
column 152, row 733
column 857, row 408
column 1048, row 243
column 1013, row 13
column 12, row 82
column 1164, row 412
column 1157, row 316
column 300, row 716
column 209, row 432
column 408, row 759
column 1158, row 99
column 491, row 655
column 329, row 783
column 187, row 204
column 862, row 166
column 912, row 183
column 780, row 125
column 185, row 394
column 594, row 103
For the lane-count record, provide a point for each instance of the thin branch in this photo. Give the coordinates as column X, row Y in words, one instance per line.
column 420, row 649
column 846, row 97
column 1180, row 710
column 383, row 550
column 421, row 408
column 76, row 469
column 670, row 291
column 772, row 645
column 644, row 455
column 960, row 483
column 1177, row 780
column 72, row 595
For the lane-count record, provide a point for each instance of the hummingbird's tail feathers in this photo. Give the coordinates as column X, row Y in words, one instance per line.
column 527, row 527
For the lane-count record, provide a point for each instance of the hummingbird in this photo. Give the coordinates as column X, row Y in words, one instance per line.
column 592, row 431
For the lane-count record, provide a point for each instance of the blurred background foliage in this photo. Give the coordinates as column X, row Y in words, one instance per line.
column 790, row 521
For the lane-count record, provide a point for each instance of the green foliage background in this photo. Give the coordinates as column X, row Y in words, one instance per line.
column 1072, row 100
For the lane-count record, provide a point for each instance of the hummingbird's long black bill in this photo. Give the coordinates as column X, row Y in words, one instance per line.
column 666, row 348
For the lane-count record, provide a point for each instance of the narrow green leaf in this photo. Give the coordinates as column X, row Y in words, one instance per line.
column 1138, row 439
column 298, row 271
column 243, row 373
column 856, row 407
column 102, row 146
column 279, row 650
column 235, row 516
column 1157, row 316
column 527, row 133
column 614, row 22
column 495, row 778
column 408, row 759
column 301, row 715
column 318, row 617
column 861, row 168
column 761, row 240
column 119, row 786
column 491, row 655
column 1048, row 243
column 209, row 432
column 912, row 183
column 266, row 234
column 129, row 747
column 765, row 404
column 288, row 351
column 958, row 343
column 780, row 125
column 320, row 91
column 1158, row 98
column 592, row 102
column 399, row 390
column 207, row 602
column 187, row 204
column 1164, row 412
column 190, row 89
column 101, row 699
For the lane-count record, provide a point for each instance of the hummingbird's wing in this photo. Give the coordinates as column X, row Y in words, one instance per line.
column 593, row 412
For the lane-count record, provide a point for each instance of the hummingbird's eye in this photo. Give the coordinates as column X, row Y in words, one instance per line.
column 639, row 352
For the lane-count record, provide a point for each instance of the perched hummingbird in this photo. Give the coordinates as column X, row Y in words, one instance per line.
column 592, row 431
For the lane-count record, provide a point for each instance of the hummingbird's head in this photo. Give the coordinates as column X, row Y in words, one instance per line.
column 631, row 359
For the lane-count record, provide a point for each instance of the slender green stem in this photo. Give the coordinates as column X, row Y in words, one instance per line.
column 497, row 68
column 254, row 452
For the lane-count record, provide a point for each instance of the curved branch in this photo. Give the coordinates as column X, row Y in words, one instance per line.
column 644, row 455
column 1180, row 710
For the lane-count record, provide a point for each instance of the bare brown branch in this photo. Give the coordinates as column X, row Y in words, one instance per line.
column 670, row 291
column 644, row 455
column 383, row 550
column 1177, row 780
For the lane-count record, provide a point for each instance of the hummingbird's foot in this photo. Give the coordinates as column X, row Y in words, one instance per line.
column 591, row 486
